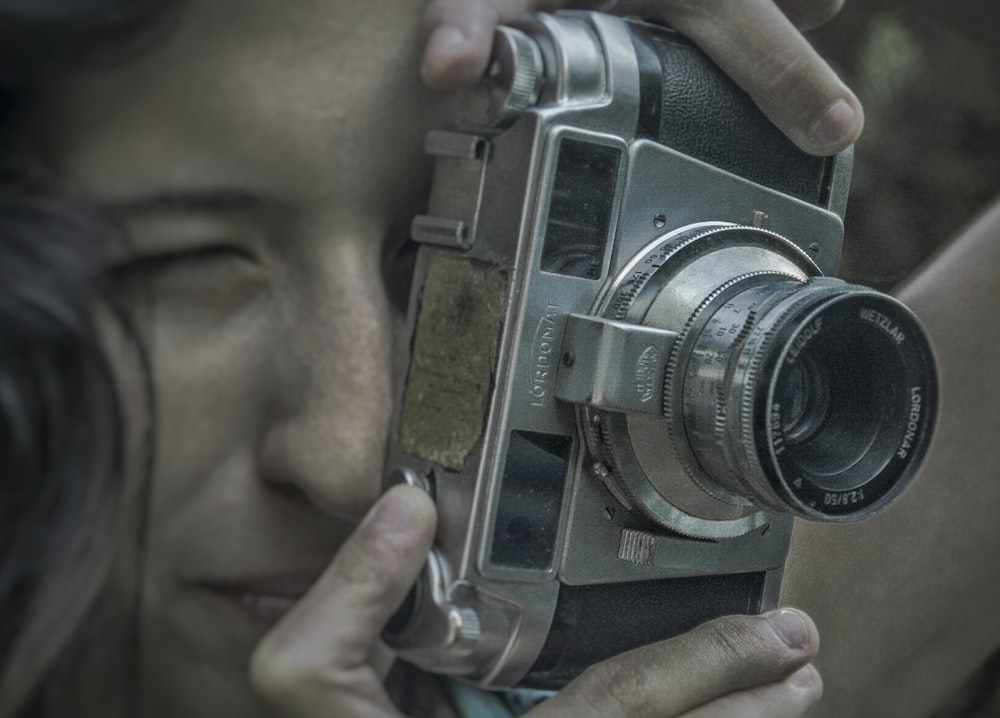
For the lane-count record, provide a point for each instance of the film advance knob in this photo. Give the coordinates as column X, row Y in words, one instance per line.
column 514, row 76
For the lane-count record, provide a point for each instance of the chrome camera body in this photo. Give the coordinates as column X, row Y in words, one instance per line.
column 629, row 366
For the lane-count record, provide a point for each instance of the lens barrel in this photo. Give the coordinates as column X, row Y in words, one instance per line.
column 785, row 390
column 826, row 401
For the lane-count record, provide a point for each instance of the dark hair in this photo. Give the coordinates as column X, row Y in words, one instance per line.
column 61, row 425
column 39, row 38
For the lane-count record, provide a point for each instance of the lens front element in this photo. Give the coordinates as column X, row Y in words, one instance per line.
column 844, row 409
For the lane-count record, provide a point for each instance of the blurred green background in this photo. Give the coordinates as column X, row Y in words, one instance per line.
column 929, row 159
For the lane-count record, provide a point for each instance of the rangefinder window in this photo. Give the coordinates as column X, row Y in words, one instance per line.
column 527, row 519
column 583, row 195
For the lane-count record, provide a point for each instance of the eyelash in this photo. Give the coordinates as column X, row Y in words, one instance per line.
column 162, row 263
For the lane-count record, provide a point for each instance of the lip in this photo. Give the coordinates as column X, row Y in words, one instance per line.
column 265, row 600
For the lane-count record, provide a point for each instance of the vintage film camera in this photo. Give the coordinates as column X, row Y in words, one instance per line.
column 628, row 369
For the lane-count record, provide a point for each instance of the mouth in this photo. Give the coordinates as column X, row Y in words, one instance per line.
column 265, row 601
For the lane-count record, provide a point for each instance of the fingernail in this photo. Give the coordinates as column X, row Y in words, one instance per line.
column 835, row 126
column 393, row 515
column 791, row 626
column 805, row 677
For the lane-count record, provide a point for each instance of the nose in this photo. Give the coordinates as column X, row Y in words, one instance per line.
column 330, row 400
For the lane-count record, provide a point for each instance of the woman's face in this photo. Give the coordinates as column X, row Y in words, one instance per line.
column 263, row 157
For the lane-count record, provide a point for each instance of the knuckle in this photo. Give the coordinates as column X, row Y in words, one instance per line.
column 615, row 687
column 730, row 639
column 366, row 581
column 372, row 556
column 353, row 570
column 747, row 641
column 784, row 75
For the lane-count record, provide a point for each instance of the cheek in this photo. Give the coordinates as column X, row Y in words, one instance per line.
column 350, row 339
column 310, row 358
column 209, row 398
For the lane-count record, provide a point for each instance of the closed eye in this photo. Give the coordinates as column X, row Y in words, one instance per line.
column 159, row 264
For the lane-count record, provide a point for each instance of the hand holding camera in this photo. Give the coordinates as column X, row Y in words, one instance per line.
column 629, row 366
column 786, row 689
column 318, row 661
column 756, row 42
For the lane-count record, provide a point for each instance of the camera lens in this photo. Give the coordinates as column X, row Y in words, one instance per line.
column 833, row 402
column 805, row 394
column 783, row 389
column 824, row 401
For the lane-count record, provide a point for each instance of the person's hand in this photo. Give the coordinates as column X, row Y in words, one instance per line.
column 732, row 667
column 322, row 659
column 317, row 662
column 757, row 42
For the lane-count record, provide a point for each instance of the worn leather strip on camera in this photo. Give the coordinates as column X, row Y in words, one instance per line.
column 453, row 360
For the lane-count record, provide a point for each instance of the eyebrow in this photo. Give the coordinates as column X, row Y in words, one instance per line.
column 214, row 199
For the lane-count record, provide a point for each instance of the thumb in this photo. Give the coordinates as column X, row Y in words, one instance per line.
column 316, row 661
column 746, row 666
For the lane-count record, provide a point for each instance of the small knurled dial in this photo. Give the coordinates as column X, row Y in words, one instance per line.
column 514, row 76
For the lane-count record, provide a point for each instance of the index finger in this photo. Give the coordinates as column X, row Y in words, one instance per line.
column 757, row 45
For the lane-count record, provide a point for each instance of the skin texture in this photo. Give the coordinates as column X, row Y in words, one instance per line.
column 263, row 161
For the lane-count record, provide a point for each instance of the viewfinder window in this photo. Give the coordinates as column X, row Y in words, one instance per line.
column 583, row 196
